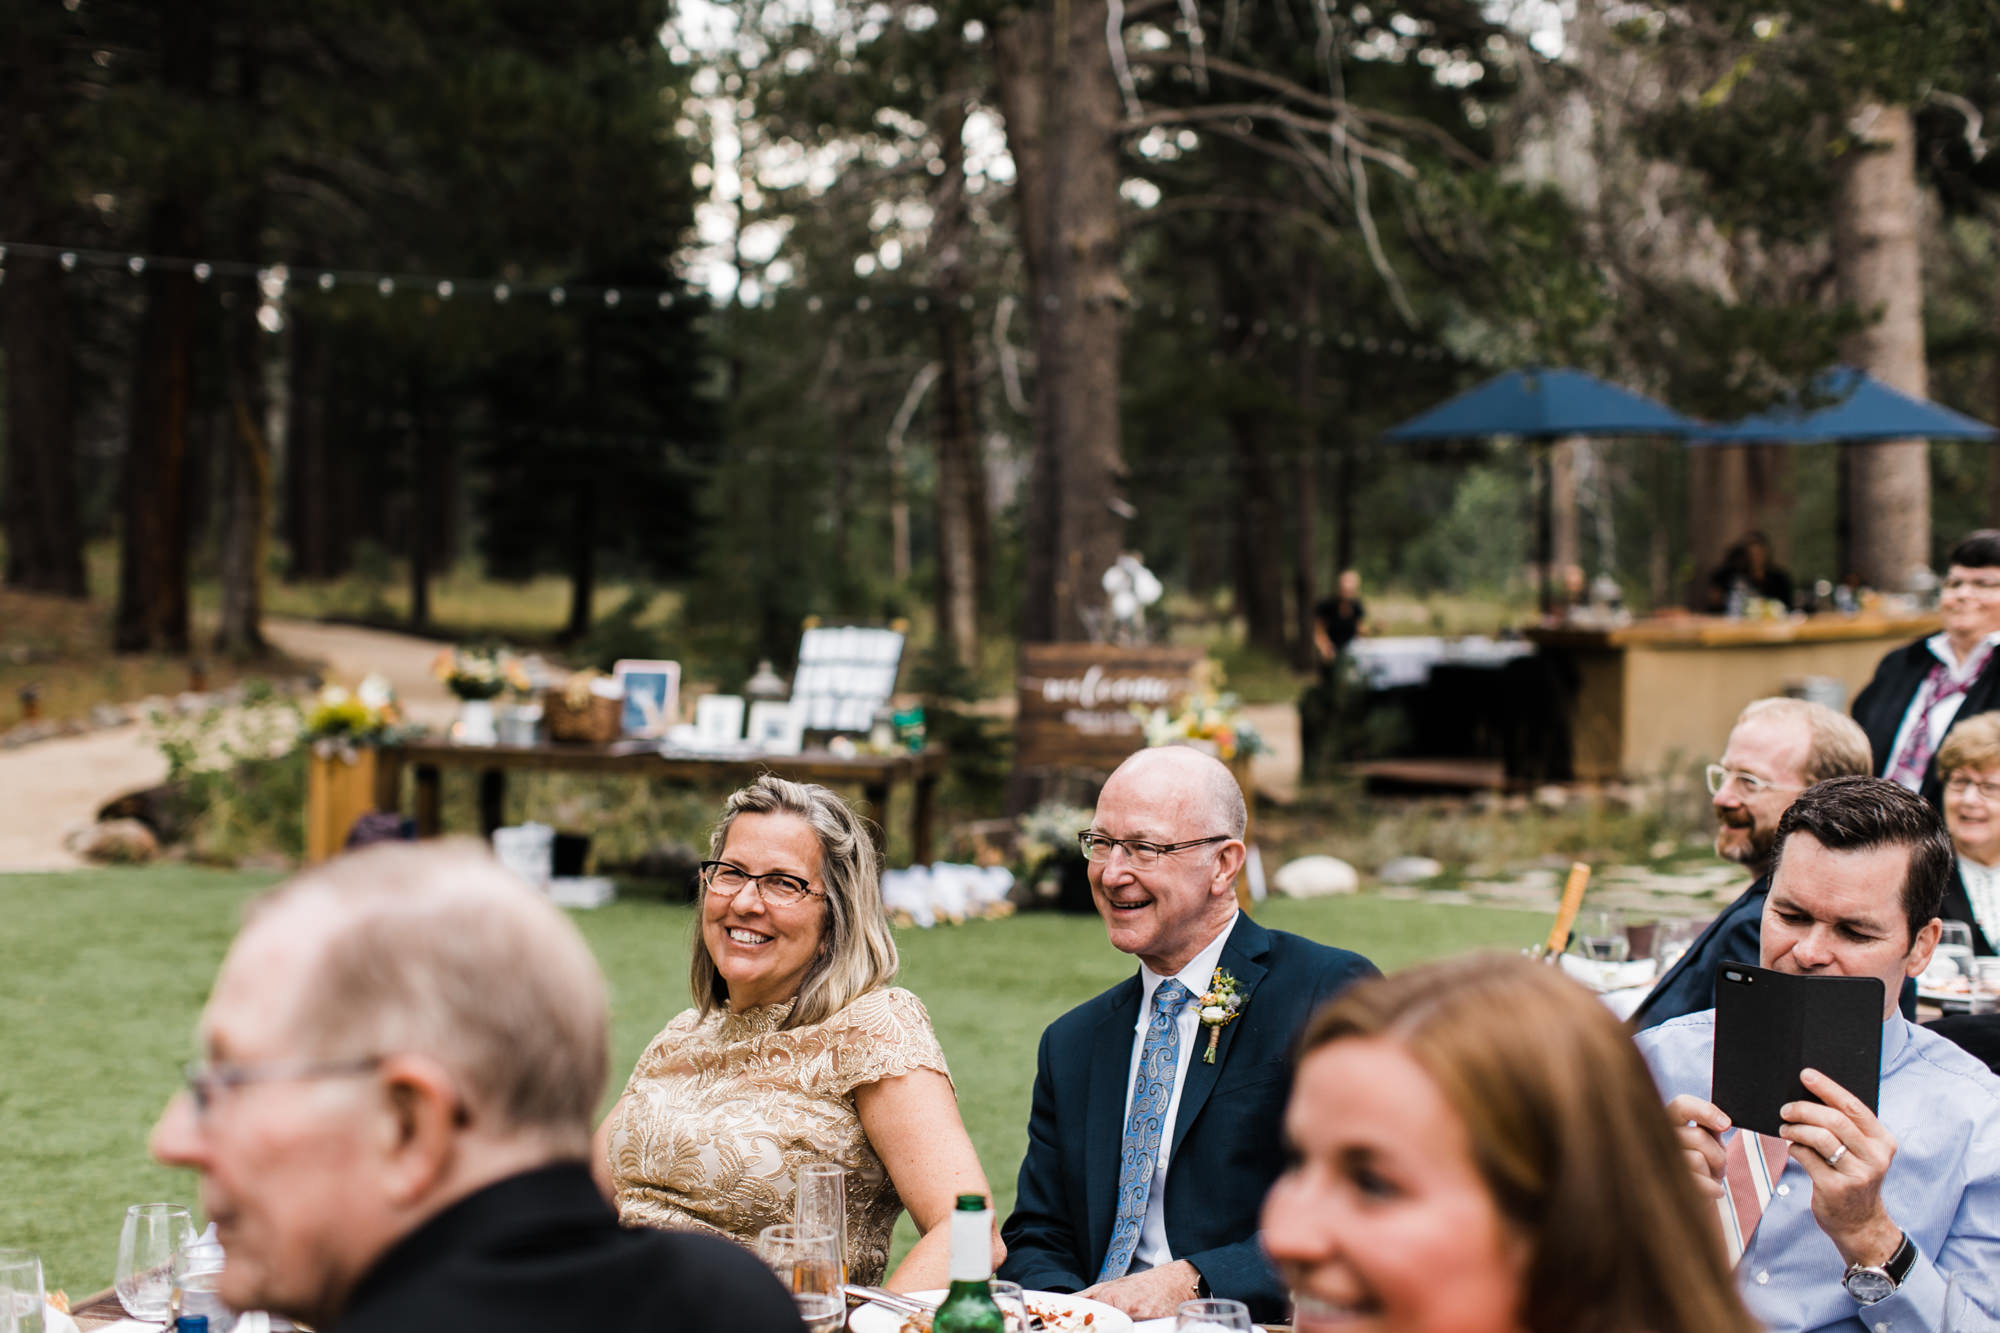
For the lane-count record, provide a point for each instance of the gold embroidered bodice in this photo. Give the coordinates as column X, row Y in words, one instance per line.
column 721, row 1112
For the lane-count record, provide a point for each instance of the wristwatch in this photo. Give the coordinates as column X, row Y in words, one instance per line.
column 1868, row 1283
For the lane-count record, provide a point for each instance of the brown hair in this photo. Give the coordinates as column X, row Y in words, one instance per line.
column 1861, row 814
column 857, row 951
column 1569, row 1136
column 1972, row 743
column 437, row 949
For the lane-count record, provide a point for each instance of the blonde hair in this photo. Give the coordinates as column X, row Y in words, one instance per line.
column 437, row 949
column 857, row 952
column 1569, row 1136
column 1838, row 747
column 1973, row 743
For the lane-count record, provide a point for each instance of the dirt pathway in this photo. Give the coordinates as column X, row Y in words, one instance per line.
column 51, row 787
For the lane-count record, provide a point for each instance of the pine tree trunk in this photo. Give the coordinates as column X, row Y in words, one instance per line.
column 38, row 494
column 1879, row 271
column 246, row 472
column 1074, row 526
column 960, row 481
column 1305, row 472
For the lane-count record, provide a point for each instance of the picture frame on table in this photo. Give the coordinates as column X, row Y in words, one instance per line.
column 776, row 727
column 718, row 720
column 650, row 692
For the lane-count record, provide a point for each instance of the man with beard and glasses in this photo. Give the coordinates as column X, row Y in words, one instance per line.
column 1777, row 749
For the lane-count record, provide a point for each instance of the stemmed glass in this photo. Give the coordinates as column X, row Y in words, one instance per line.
column 20, row 1291
column 821, row 1206
column 1213, row 1317
column 1602, row 937
column 808, row 1263
column 152, row 1233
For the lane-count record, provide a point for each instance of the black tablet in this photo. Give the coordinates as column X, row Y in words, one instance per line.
column 1771, row 1025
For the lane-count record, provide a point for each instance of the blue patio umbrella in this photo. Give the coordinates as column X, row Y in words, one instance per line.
column 1854, row 406
column 1541, row 405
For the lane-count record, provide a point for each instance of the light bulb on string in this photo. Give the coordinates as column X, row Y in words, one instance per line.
column 557, row 296
column 445, row 289
column 137, row 263
column 68, row 261
column 326, row 282
column 611, row 298
column 666, row 300
column 386, row 286
column 201, row 272
column 501, row 292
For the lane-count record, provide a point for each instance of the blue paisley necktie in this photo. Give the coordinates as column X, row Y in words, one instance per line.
column 1152, row 1093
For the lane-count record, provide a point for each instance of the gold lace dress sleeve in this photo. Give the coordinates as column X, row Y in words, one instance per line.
column 721, row 1112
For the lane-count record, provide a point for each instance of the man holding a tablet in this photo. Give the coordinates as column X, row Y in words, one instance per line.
column 1853, row 1216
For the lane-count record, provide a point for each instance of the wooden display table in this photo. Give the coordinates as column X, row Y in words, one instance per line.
column 875, row 775
column 1658, row 693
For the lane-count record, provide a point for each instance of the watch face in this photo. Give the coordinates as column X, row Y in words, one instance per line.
column 1868, row 1285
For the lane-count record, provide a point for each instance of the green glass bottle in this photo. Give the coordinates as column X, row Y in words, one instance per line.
column 968, row 1307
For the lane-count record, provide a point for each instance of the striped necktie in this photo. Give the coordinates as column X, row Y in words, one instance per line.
column 1747, row 1181
column 1152, row 1094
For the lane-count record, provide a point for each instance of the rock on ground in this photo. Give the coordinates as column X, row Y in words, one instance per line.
column 1315, row 877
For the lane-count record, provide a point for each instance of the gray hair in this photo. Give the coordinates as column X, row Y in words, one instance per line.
column 436, row 949
column 1838, row 747
column 857, row 952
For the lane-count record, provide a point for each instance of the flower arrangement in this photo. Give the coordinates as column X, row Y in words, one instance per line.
column 1220, row 1005
column 1048, row 831
column 1208, row 717
column 473, row 674
column 339, row 721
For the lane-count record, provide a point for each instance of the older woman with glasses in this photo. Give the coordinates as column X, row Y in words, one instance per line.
column 1969, row 762
column 797, row 1050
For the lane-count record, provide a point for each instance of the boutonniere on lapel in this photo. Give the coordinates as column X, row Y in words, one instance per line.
column 1219, row 1007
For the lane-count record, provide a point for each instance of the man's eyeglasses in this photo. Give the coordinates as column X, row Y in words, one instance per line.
column 1749, row 783
column 1958, row 784
column 1981, row 587
column 1097, row 847
column 205, row 1080
column 726, row 880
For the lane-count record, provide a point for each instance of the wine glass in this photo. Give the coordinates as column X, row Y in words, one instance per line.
column 821, row 1206
column 146, row 1246
column 1213, row 1317
column 1971, row 1304
column 1602, row 937
column 20, row 1291
column 198, row 1280
column 1955, row 944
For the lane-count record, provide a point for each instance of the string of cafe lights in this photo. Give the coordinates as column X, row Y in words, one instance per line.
column 279, row 280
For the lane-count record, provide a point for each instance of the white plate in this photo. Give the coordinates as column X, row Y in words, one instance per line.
column 1064, row 1314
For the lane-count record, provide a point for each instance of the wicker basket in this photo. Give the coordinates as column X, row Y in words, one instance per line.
column 596, row 723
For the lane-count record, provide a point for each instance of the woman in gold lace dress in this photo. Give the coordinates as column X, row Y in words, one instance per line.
column 797, row 1050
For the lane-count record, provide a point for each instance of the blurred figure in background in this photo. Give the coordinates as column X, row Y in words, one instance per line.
column 1478, row 1149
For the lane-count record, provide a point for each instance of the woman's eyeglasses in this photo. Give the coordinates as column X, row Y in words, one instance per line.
column 726, row 880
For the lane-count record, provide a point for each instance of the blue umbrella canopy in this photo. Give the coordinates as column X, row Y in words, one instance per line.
column 1857, row 406
column 1543, row 404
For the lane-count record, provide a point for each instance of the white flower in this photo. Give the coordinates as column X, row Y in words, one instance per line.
column 1214, row 1013
column 375, row 690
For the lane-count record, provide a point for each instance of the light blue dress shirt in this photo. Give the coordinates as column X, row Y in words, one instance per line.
column 1942, row 1189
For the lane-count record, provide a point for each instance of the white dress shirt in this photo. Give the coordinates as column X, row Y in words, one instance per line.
column 1153, row 1251
column 1947, row 709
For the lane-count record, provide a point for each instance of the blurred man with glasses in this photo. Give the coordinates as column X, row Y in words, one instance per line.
column 1777, row 749
column 401, row 1059
column 1921, row 690
column 1157, row 1120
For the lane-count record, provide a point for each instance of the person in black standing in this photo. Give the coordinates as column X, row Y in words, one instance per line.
column 1923, row 689
column 1337, row 621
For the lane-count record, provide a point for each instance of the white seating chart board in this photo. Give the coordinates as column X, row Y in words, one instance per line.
column 845, row 673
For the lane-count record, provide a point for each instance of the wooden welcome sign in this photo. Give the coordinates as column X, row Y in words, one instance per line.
column 1080, row 703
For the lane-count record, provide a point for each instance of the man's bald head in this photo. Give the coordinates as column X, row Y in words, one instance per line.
column 1202, row 775
column 436, row 949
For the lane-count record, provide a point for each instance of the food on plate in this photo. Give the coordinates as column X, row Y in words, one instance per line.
column 1055, row 1318
column 59, row 1299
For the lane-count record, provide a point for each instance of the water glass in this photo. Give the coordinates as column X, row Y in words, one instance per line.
column 1971, row 1303
column 821, row 1206
column 152, row 1233
column 1984, row 996
column 1671, row 939
column 804, row 1261
column 198, row 1282
column 1955, row 945
column 1601, row 935
column 1213, row 1317
column 20, row 1291
column 821, row 1311
column 1013, row 1303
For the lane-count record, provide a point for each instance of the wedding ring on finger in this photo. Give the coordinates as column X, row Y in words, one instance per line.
column 1839, row 1151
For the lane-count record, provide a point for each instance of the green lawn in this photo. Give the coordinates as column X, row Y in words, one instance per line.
column 105, row 972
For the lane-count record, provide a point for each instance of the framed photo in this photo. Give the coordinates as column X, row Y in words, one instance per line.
column 718, row 720
column 652, row 696
column 777, row 727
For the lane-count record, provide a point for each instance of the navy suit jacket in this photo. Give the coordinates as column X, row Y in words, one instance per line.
column 1880, row 706
column 1228, row 1143
column 1734, row 937
column 1689, row 985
